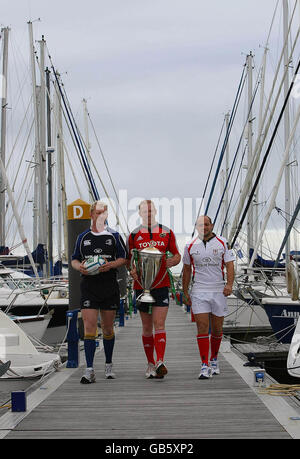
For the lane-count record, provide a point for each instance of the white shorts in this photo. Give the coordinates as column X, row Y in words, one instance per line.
column 214, row 302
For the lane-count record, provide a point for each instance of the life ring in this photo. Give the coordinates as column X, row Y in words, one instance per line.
column 293, row 280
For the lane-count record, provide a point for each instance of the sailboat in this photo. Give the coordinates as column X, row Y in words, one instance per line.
column 259, row 281
column 25, row 361
column 38, row 302
column 293, row 360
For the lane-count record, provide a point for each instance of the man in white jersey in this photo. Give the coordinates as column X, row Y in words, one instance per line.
column 204, row 260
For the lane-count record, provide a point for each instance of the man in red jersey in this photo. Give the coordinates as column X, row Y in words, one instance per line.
column 152, row 234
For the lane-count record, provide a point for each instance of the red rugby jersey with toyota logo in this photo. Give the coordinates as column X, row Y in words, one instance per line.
column 160, row 237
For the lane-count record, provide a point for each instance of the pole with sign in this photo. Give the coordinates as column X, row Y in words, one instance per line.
column 78, row 221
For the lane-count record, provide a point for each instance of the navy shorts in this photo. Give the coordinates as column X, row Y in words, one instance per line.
column 111, row 303
column 161, row 296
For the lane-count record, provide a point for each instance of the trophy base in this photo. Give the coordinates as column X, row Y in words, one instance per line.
column 145, row 298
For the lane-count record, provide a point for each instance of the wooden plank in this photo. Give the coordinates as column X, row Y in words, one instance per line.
column 180, row 406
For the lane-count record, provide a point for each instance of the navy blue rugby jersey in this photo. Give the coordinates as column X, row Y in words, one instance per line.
column 108, row 244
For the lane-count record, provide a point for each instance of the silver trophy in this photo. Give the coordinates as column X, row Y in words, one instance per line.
column 147, row 263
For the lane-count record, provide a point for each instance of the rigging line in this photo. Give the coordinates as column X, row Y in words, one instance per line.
column 72, row 170
column 79, row 157
column 206, row 185
column 272, row 22
column 111, row 181
column 289, row 229
column 19, row 133
column 83, row 156
column 233, row 113
column 80, row 145
column 235, row 157
column 265, row 156
column 209, row 174
column 85, row 166
column 281, row 211
column 21, row 191
column 264, row 128
column 235, row 184
column 17, row 96
column 8, row 232
column 107, row 194
column 65, row 150
column 82, row 142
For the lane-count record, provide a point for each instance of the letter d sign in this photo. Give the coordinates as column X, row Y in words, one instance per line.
column 77, row 212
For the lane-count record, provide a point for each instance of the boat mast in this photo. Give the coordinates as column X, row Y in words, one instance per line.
column 235, row 227
column 61, row 185
column 286, row 122
column 250, row 242
column 5, row 34
column 225, row 206
column 50, row 151
column 277, row 184
column 37, row 138
column 43, row 230
column 261, row 105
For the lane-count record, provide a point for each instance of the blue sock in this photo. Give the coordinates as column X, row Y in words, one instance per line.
column 89, row 348
column 108, row 344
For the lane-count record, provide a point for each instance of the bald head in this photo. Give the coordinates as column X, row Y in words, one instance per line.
column 204, row 227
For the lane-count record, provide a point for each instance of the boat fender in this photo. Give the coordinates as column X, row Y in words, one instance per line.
column 293, row 280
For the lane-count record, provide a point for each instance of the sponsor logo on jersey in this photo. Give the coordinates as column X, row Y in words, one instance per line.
column 86, row 242
column 143, row 245
column 206, row 260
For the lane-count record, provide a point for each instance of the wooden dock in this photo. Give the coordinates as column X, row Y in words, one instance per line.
column 132, row 407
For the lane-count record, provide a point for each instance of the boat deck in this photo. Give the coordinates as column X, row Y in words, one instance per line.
column 132, row 407
column 264, row 352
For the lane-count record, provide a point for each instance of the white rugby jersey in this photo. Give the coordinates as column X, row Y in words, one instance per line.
column 208, row 260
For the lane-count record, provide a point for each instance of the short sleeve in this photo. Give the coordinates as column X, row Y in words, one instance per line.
column 76, row 255
column 173, row 248
column 186, row 260
column 228, row 255
column 121, row 247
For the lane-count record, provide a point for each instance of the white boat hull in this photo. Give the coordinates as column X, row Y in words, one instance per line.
column 16, row 347
column 34, row 326
column 241, row 314
column 30, row 366
column 293, row 360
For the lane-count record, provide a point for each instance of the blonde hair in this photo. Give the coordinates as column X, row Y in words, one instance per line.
column 98, row 203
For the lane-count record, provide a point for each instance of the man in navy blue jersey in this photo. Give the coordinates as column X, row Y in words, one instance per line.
column 100, row 291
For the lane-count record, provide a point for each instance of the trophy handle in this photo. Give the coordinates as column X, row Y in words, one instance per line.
column 133, row 258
